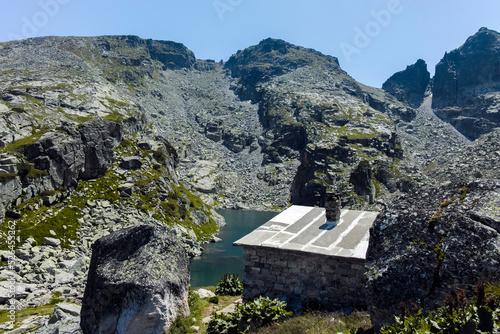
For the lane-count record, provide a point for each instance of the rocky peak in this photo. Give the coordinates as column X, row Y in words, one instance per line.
column 466, row 89
column 472, row 68
column 485, row 39
column 409, row 85
column 271, row 58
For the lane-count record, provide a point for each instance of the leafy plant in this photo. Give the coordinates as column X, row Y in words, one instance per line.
column 214, row 300
column 248, row 316
column 193, row 298
column 456, row 316
column 229, row 285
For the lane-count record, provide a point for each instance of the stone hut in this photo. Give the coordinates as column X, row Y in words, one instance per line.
column 309, row 256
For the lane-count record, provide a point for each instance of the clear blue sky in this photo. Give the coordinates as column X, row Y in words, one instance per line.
column 372, row 38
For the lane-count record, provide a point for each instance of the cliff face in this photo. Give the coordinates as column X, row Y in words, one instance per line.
column 467, row 85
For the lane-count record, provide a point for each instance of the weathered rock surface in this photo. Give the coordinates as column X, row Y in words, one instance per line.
column 427, row 241
column 59, row 159
column 138, row 282
column 68, row 154
column 10, row 190
column 64, row 320
column 466, row 87
column 409, row 86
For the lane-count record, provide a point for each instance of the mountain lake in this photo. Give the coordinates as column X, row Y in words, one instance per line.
column 222, row 257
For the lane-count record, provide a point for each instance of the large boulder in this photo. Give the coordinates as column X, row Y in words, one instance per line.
column 429, row 240
column 138, row 282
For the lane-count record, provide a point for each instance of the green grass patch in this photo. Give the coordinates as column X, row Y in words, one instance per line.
column 319, row 323
column 63, row 220
column 5, row 177
column 105, row 188
column 43, row 310
column 18, row 145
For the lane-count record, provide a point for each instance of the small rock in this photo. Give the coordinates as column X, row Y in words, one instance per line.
column 48, row 266
column 52, row 242
column 14, row 214
column 105, row 204
column 126, row 189
column 144, row 145
column 49, row 200
column 133, row 162
column 204, row 293
column 23, row 254
column 63, row 277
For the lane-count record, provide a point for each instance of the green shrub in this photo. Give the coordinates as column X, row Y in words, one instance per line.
column 181, row 326
column 248, row 316
column 213, row 300
column 229, row 285
column 456, row 316
column 321, row 323
column 193, row 298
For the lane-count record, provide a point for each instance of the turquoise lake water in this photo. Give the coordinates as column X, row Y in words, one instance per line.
column 222, row 257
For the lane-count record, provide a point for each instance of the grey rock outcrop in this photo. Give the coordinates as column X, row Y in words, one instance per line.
column 138, row 282
column 409, row 86
column 466, row 86
column 70, row 153
column 429, row 240
column 10, row 190
column 362, row 180
column 58, row 159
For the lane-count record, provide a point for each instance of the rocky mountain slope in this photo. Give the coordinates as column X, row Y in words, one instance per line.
column 103, row 133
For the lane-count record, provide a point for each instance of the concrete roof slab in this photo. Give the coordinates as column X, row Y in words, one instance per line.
column 306, row 229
